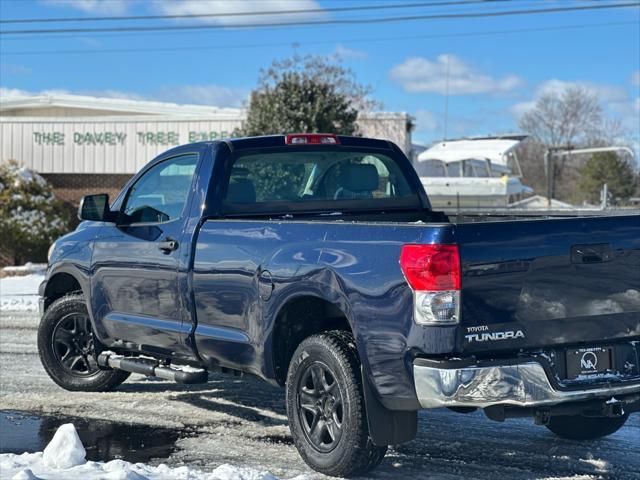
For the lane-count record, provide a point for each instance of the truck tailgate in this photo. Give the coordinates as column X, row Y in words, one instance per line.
column 551, row 282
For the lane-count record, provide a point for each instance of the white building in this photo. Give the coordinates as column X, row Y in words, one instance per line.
column 84, row 144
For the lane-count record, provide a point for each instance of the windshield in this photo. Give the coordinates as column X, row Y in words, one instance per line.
column 472, row 167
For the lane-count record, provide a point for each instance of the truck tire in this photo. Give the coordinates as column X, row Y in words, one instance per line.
column 325, row 406
column 581, row 427
column 66, row 348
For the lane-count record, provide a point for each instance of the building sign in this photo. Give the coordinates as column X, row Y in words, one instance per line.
column 102, row 146
column 48, row 138
column 166, row 138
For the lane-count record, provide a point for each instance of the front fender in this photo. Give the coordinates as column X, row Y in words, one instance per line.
column 71, row 256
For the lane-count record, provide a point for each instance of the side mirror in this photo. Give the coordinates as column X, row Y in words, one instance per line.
column 95, row 208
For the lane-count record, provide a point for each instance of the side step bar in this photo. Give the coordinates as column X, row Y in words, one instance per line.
column 152, row 368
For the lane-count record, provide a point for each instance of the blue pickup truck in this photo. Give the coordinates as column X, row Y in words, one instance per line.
column 315, row 262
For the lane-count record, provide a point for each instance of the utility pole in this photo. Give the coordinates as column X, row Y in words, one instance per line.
column 446, row 103
column 549, row 165
column 604, row 197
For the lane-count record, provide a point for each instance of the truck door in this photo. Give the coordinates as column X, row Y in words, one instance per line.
column 135, row 292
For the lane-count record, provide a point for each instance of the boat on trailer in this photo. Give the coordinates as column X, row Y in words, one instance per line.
column 478, row 172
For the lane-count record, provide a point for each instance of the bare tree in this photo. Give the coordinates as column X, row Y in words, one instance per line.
column 565, row 118
column 572, row 117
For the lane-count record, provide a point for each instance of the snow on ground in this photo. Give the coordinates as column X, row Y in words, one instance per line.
column 20, row 293
column 64, row 459
column 25, row 269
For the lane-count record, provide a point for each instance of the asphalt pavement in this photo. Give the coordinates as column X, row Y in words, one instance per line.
column 243, row 422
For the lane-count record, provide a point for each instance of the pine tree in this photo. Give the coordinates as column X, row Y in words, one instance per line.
column 607, row 168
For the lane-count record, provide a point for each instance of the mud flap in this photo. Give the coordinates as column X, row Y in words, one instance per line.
column 387, row 427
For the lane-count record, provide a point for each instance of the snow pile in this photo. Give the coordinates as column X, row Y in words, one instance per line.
column 25, row 269
column 20, row 293
column 64, row 459
column 65, row 449
column 25, row 176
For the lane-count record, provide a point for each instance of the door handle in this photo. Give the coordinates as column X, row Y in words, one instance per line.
column 593, row 253
column 168, row 245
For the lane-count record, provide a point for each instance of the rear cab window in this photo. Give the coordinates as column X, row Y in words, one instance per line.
column 309, row 178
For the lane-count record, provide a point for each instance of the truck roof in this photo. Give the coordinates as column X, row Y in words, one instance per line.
column 269, row 141
column 266, row 141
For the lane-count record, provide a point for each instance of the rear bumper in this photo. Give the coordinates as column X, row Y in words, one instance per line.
column 522, row 385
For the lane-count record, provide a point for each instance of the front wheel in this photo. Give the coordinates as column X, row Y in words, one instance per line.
column 65, row 344
column 581, row 427
column 325, row 406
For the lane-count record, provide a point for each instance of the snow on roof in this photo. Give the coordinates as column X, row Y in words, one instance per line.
column 491, row 148
column 124, row 105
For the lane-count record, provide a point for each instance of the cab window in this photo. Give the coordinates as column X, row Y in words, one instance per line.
column 305, row 176
column 161, row 193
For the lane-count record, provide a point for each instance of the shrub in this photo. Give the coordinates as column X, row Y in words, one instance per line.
column 30, row 216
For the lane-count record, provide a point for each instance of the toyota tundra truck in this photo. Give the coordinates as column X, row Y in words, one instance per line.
column 316, row 263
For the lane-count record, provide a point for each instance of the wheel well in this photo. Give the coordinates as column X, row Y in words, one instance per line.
column 59, row 285
column 298, row 320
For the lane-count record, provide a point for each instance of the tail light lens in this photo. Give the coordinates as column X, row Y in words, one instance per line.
column 433, row 273
column 431, row 267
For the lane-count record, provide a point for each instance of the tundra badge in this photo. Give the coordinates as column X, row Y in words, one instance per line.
column 482, row 334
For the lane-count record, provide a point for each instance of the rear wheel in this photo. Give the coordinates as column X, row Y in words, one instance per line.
column 66, row 347
column 581, row 427
column 325, row 406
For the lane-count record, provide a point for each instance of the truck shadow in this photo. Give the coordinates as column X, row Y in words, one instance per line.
column 246, row 399
column 249, row 400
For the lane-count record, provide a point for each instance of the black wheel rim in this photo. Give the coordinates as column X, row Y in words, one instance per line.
column 320, row 407
column 72, row 343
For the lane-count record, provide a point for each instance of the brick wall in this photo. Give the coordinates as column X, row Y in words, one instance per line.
column 71, row 187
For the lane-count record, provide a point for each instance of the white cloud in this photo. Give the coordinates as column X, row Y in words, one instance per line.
column 635, row 78
column 112, row 7
column 12, row 92
column 215, row 95
column 519, row 109
column 15, row 92
column 347, row 53
column 606, row 93
column 425, row 121
column 204, row 7
column 615, row 97
column 417, row 74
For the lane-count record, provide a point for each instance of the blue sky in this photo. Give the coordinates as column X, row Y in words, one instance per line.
column 497, row 65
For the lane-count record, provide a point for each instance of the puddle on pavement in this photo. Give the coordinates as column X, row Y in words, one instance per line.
column 277, row 439
column 103, row 441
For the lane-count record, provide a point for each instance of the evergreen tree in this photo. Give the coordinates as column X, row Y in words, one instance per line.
column 309, row 94
column 607, row 168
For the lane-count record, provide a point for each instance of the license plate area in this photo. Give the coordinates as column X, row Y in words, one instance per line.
column 584, row 363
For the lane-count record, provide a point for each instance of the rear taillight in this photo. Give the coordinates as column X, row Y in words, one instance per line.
column 312, row 139
column 433, row 273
